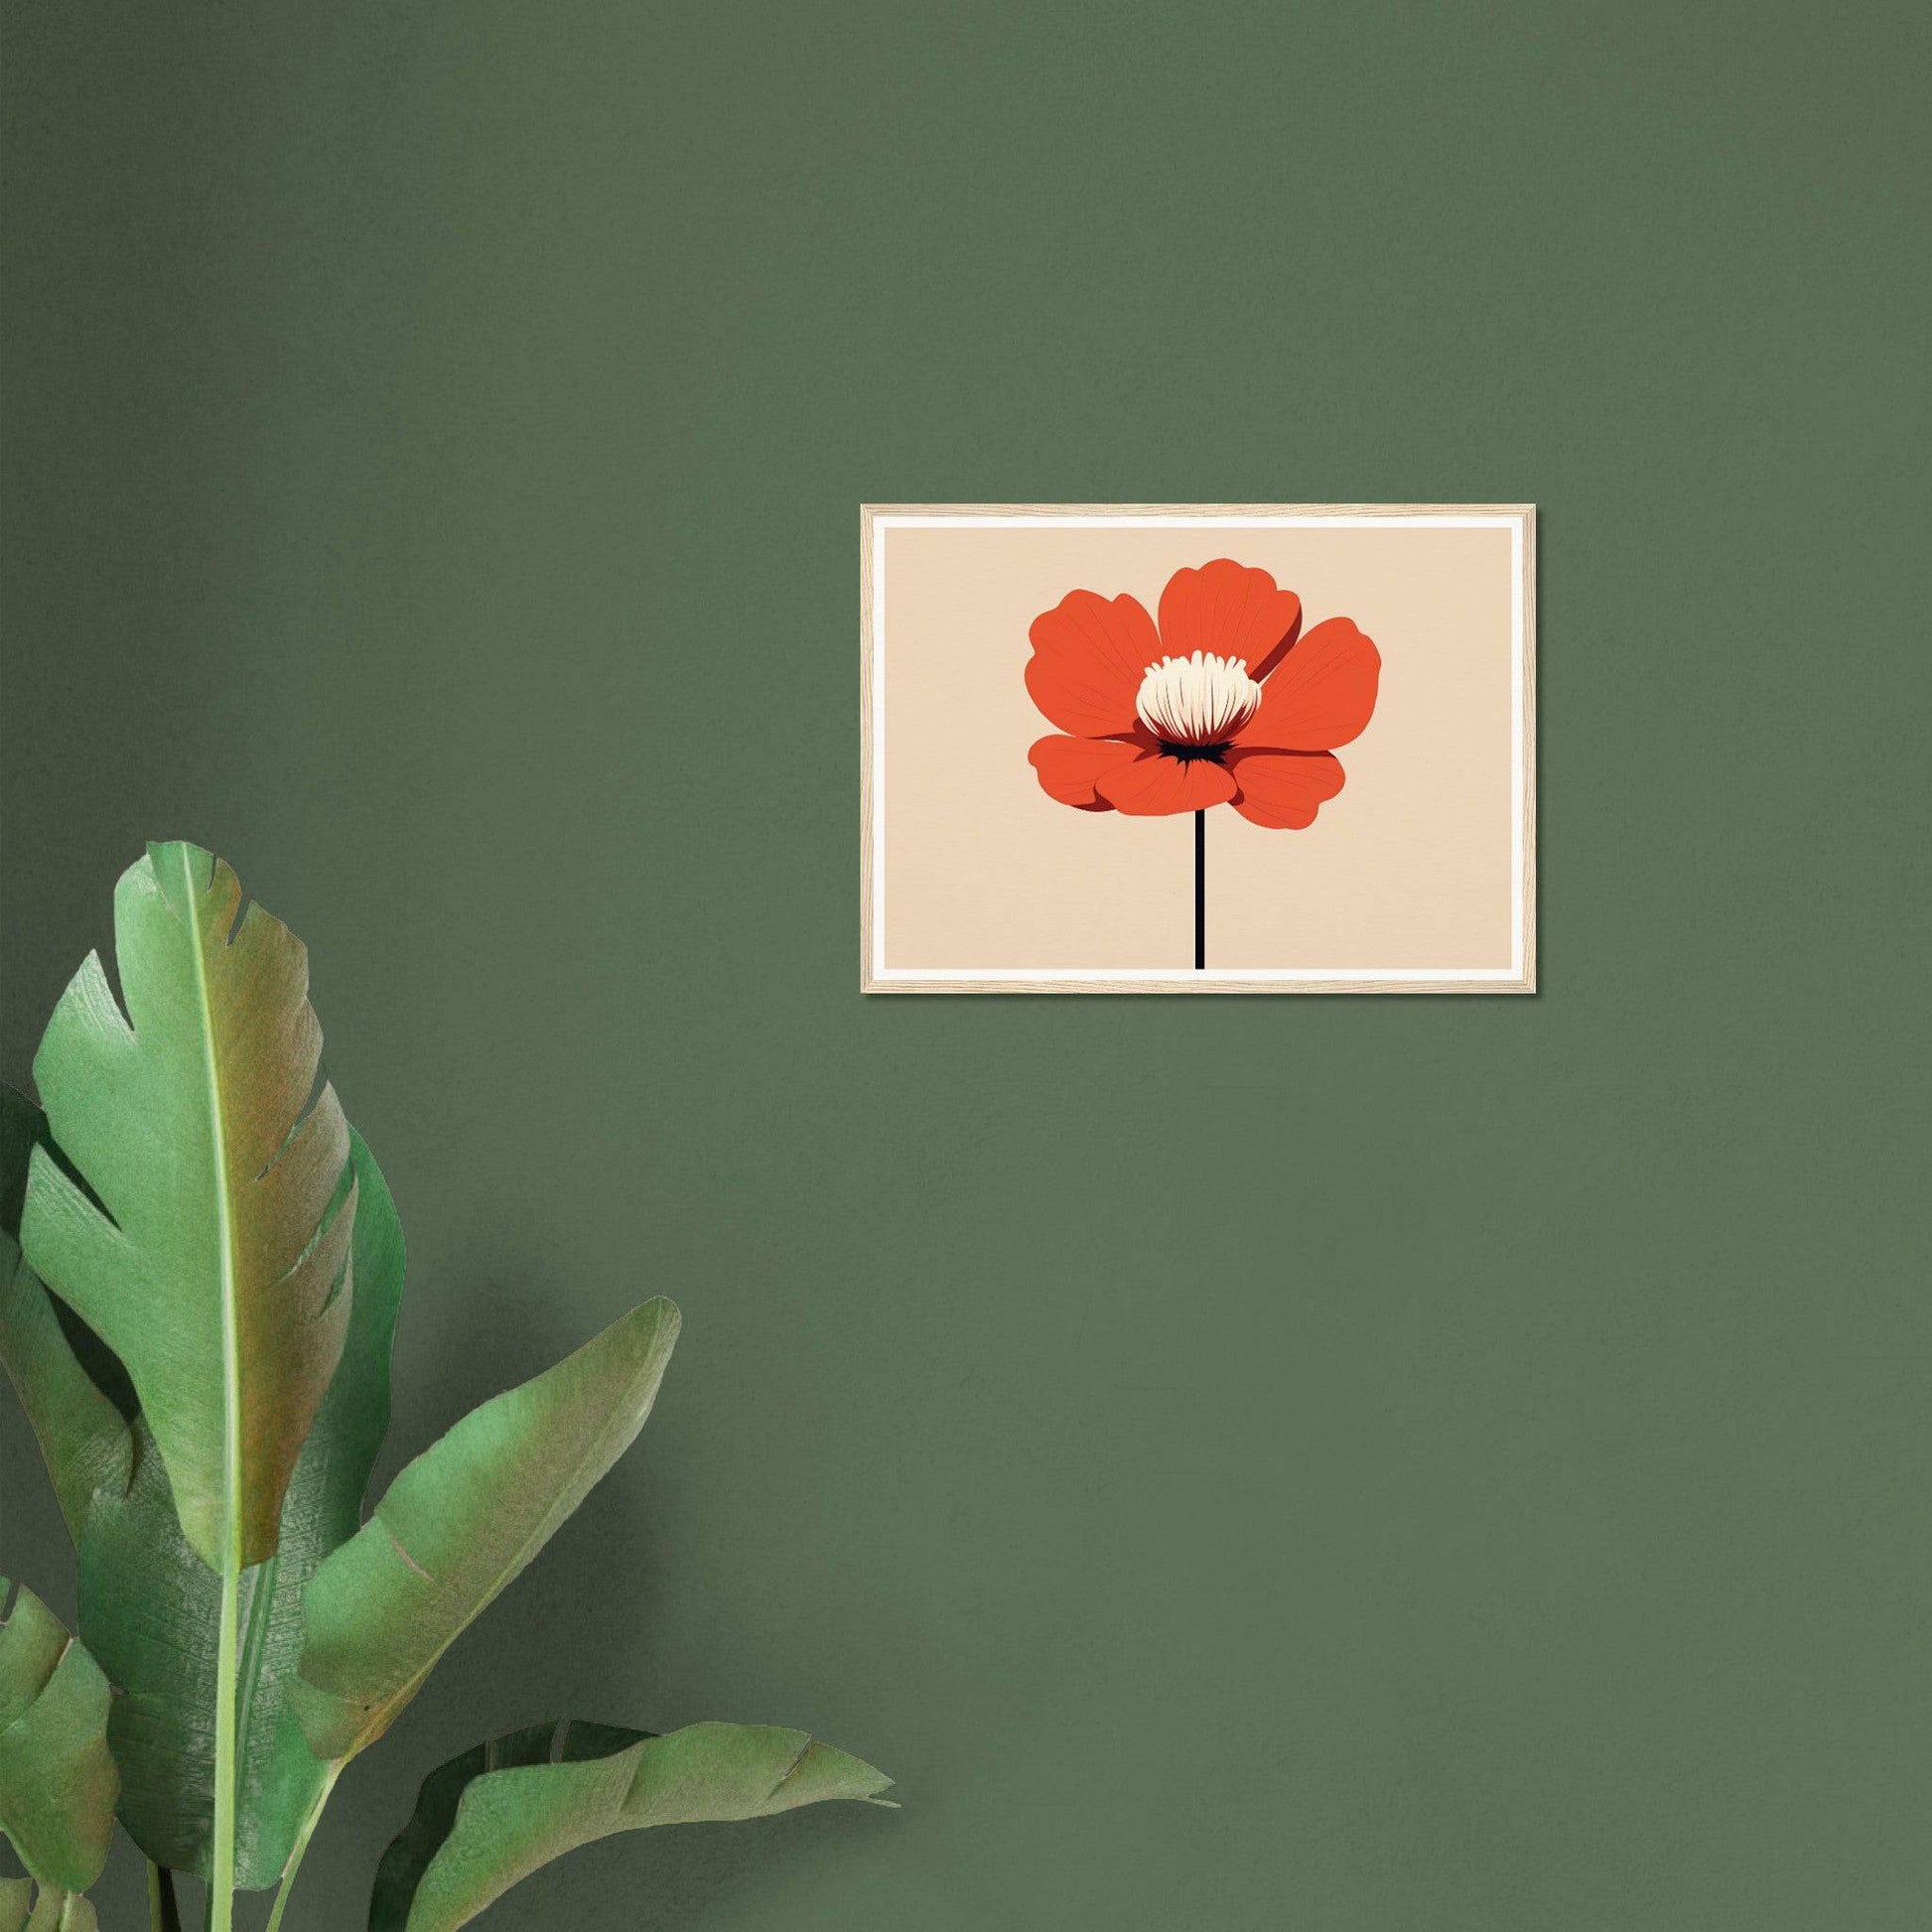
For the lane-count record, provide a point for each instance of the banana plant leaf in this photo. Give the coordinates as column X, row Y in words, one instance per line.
column 492, row 1816
column 56, row 1779
column 211, row 1254
column 461, row 1522
column 150, row 1608
column 82, row 1434
column 58, row 1911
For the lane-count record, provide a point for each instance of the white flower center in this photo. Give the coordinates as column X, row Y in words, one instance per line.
column 1197, row 700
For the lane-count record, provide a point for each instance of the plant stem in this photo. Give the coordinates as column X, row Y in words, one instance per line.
column 220, row 1882
column 302, row 1838
column 1200, row 891
column 164, row 1913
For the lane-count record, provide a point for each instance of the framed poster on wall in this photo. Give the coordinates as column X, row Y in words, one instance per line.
column 1198, row 749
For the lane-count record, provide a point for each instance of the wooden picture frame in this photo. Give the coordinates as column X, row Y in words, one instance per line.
column 1515, row 974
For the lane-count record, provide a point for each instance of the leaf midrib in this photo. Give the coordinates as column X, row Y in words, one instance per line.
column 224, row 1226
column 227, row 1691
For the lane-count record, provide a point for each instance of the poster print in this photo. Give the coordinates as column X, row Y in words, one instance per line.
column 1198, row 749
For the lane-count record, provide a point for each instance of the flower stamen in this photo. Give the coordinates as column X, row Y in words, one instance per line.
column 1199, row 701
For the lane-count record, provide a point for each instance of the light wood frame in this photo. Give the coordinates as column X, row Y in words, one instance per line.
column 1520, row 976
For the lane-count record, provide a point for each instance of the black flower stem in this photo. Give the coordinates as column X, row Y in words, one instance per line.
column 1200, row 891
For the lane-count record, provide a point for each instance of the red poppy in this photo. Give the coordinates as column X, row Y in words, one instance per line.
column 1225, row 704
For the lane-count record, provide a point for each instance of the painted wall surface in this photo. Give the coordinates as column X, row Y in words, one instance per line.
column 1349, row 1464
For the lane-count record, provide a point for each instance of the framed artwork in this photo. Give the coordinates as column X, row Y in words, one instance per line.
column 1199, row 747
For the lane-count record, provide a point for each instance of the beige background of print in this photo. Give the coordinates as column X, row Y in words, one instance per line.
column 1409, row 867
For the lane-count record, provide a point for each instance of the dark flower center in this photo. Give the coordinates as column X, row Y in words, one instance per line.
column 1188, row 753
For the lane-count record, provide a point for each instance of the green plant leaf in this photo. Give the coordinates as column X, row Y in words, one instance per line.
column 16, row 1902
column 492, row 1816
column 149, row 1605
column 217, row 1272
column 460, row 1521
column 56, row 1779
column 61, row 1911
column 83, row 1436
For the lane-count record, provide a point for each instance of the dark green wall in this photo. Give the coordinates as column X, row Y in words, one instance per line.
column 1351, row 1464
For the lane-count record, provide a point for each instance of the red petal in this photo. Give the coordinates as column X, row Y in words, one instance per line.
column 1282, row 789
column 1321, row 696
column 1067, row 767
column 1231, row 608
column 1089, row 656
column 1157, row 784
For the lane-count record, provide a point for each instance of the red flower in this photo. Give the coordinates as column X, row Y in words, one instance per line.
column 1227, row 704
